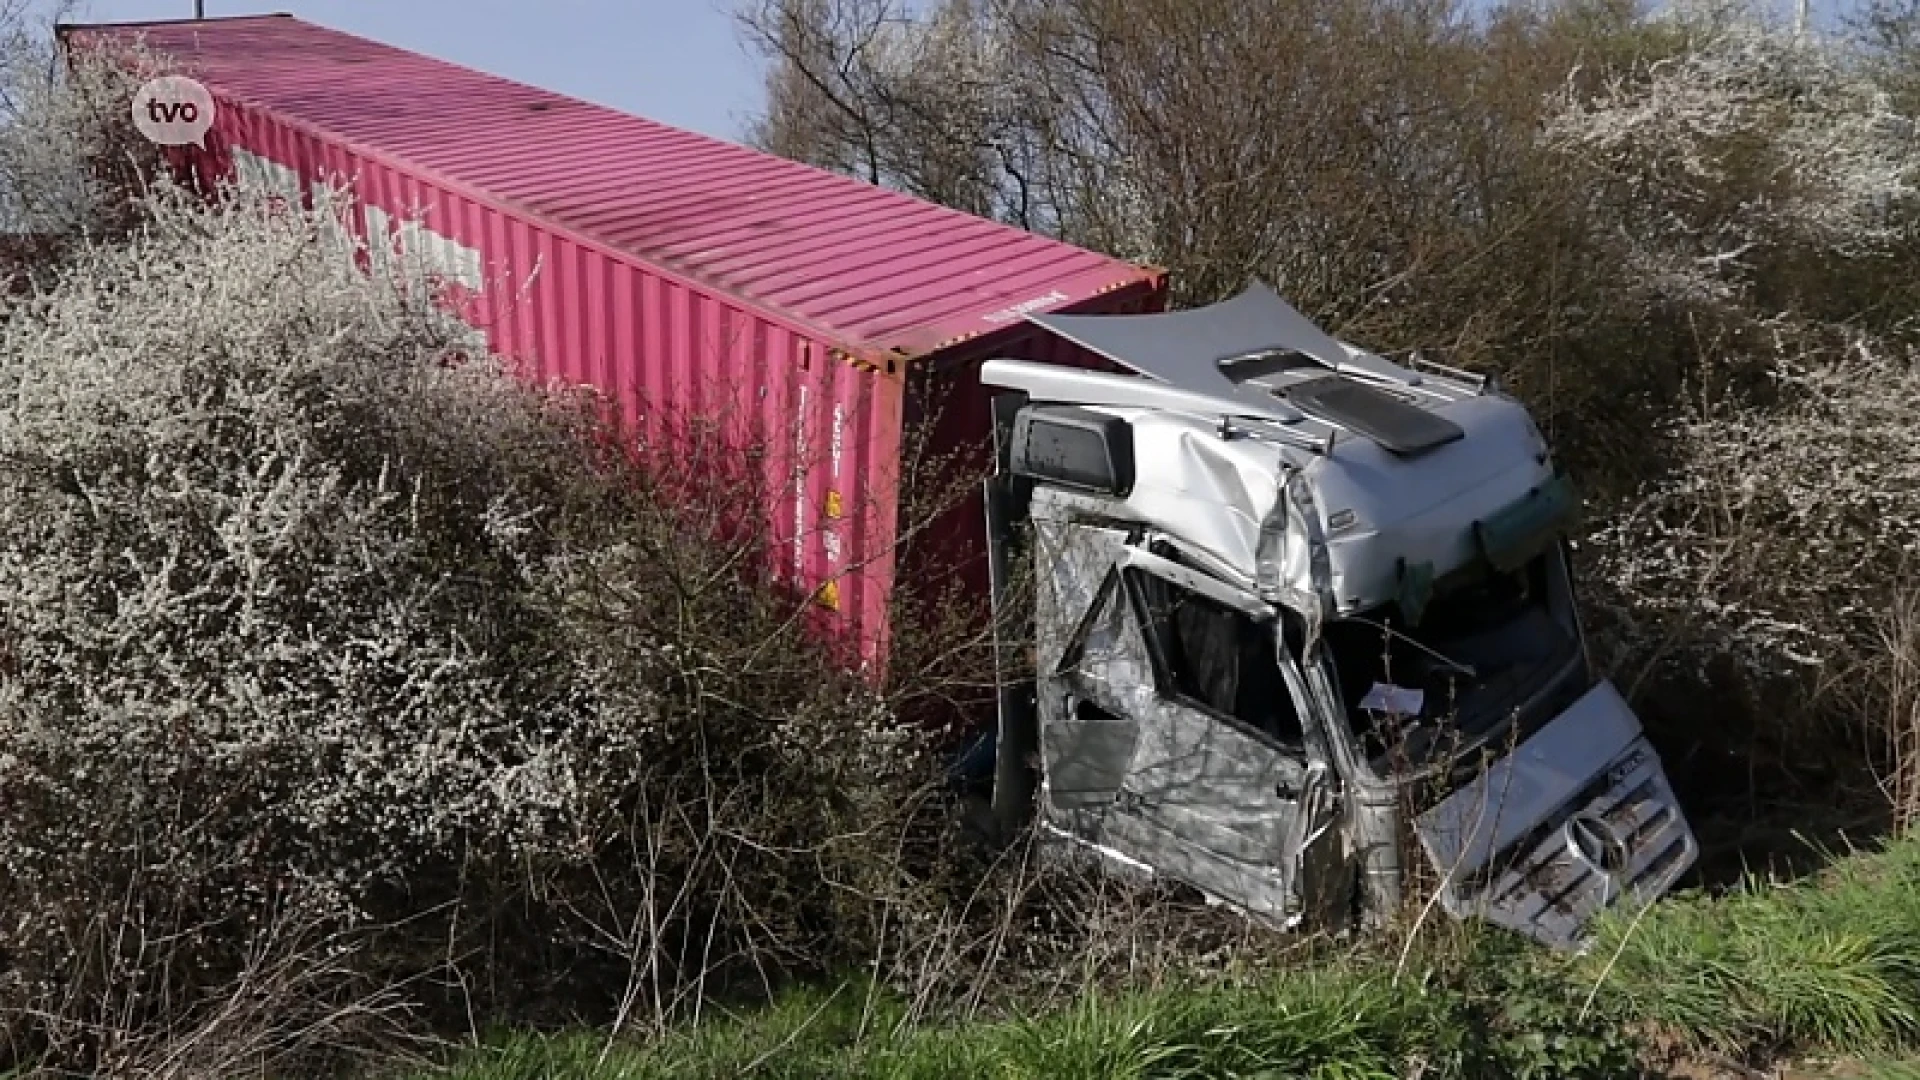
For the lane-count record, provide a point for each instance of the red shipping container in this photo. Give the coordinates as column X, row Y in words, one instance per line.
column 675, row 272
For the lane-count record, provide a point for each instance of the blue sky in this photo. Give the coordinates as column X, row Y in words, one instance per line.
column 677, row 61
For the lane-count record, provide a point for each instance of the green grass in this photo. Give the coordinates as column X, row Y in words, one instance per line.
column 1827, row 965
column 1831, row 962
column 1877, row 1068
column 1350, row 1021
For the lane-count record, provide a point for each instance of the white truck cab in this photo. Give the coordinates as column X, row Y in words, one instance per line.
column 1297, row 610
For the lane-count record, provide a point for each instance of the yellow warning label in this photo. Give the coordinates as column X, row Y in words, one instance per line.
column 833, row 505
column 829, row 596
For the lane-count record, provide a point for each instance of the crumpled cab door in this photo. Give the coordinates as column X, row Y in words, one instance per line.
column 1170, row 739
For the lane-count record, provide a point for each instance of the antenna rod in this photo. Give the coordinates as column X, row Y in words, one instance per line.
column 199, row 9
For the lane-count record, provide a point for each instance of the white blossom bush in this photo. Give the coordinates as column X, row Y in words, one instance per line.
column 1749, row 178
column 1748, row 139
column 298, row 614
column 70, row 163
column 1788, row 528
column 1758, row 597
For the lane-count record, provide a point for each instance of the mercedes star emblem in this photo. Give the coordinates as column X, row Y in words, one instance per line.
column 1594, row 842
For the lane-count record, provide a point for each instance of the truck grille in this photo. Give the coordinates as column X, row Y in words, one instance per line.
column 1621, row 835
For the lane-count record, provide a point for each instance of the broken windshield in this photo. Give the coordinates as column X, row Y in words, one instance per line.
column 1480, row 653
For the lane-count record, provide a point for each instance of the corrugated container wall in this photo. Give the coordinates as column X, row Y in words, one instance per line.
column 677, row 273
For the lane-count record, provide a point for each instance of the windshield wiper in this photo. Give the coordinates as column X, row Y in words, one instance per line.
column 1458, row 667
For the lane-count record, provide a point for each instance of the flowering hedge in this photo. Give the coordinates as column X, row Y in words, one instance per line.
column 306, row 627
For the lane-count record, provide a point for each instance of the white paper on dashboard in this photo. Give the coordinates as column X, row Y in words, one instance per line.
column 1387, row 698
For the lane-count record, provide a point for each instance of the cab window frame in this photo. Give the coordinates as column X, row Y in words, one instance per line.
column 1167, row 683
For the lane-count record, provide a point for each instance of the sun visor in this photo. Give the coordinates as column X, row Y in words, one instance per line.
column 1511, row 538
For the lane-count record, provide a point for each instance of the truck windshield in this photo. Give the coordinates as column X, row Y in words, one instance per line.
column 1414, row 691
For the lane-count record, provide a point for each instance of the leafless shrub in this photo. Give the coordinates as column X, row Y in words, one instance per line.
column 927, row 104
column 1039, row 927
column 301, row 996
column 1894, row 700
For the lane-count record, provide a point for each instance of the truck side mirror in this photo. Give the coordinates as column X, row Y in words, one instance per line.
column 1073, row 447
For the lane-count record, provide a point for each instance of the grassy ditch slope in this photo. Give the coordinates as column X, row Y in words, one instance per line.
column 1825, row 972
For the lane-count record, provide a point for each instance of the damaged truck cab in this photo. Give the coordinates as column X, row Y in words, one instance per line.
column 1297, row 613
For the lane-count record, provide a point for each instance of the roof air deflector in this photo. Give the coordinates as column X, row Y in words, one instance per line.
column 1185, row 348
